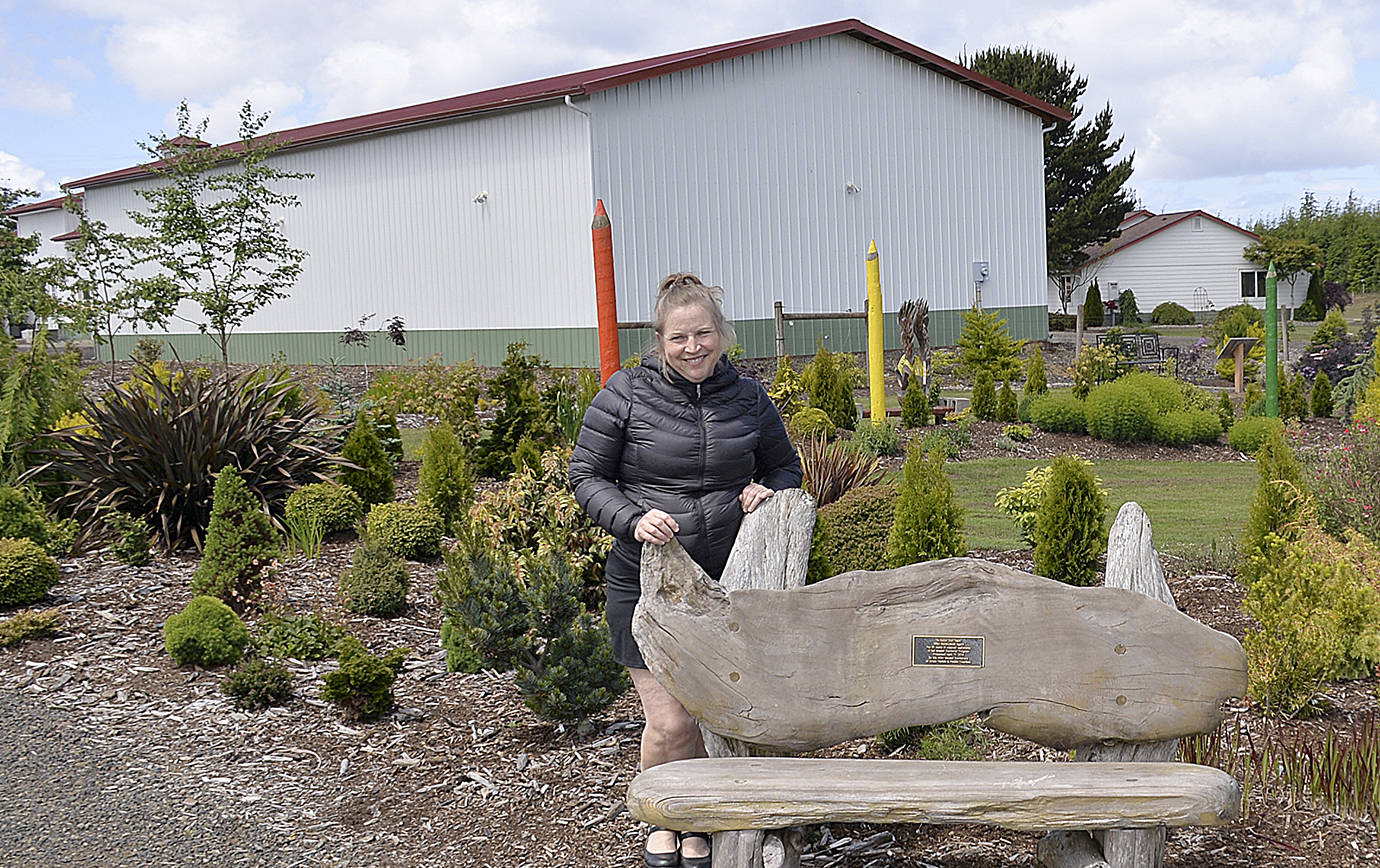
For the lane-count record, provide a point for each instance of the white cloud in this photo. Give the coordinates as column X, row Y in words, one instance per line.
column 21, row 87
column 15, row 173
column 223, row 112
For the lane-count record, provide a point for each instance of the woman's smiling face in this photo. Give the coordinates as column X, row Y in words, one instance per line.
column 690, row 343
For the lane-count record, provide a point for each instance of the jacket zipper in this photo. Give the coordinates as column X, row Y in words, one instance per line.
column 704, row 459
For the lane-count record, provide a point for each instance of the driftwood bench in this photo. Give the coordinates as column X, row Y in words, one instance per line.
column 1138, row 350
column 1116, row 674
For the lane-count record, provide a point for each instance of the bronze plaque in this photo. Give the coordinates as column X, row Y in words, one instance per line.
column 948, row 651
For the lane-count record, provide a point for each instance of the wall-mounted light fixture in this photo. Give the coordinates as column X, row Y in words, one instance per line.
column 481, row 198
column 852, row 188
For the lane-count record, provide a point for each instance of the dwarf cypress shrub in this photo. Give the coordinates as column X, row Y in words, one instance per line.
column 334, row 508
column 372, row 476
column 363, row 685
column 376, row 581
column 1320, row 400
column 522, row 416
column 1069, row 534
column 207, row 633
column 26, row 572
column 240, row 545
column 829, row 387
column 984, row 395
column 852, row 532
column 915, row 407
column 446, row 480
column 1035, row 382
column 406, row 530
column 928, row 523
column 1277, row 502
column 1126, row 304
column 1006, row 404
column 1092, row 307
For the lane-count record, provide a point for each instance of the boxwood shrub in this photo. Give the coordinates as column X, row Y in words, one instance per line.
column 206, row 633
column 406, row 530
column 26, row 572
column 335, row 507
column 1058, row 411
column 1250, row 432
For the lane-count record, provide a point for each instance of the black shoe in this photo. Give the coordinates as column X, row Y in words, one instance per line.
column 662, row 860
column 696, row 861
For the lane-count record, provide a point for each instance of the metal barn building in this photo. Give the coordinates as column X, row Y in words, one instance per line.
column 764, row 165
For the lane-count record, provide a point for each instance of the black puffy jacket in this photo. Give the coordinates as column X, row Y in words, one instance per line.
column 687, row 449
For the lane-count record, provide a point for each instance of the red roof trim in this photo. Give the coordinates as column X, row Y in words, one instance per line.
column 1175, row 222
column 46, row 205
column 67, row 236
column 605, row 78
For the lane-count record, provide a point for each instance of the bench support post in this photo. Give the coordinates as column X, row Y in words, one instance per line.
column 1134, row 565
column 772, row 552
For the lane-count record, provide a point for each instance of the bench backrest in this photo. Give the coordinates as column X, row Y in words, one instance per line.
column 864, row 653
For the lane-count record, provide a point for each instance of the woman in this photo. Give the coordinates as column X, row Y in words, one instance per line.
column 680, row 447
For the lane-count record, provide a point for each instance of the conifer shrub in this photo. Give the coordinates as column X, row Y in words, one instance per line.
column 363, row 685
column 446, row 480
column 1069, row 524
column 1185, row 427
column 376, row 581
column 206, row 633
column 852, row 532
column 787, row 390
column 29, row 624
column 334, row 508
column 240, row 545
column 26, row 572
column 915, row 406
column 522, row 416
column 129, row 537
column 1006, row 404
column 406, row 530
column 1329, row 332
column 829, row 387
column 1226, row 410
column 21, row 517
column 298, row 637
column 390, row 438
column 531, row 620
column 1130, row 311
column 985, row 344
column 1320, row 399
column 1317, row 601
column 1058, row 411
column 1246, row 435
column 371, row 477
column 876, row 437
column 257, row 684
column 928, row 521
column 1171, row 313
column 1035, row 381
column 1277, row 502
column 811, row 423
column 1092, row 307
column 1120, row 411
column 1022, row 502
column 984, row 404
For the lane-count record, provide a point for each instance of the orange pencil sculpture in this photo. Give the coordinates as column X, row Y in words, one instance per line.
column 609, row 360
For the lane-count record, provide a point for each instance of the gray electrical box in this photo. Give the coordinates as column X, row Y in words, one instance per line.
column 980, row 270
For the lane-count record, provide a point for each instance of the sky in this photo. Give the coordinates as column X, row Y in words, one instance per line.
column 1236, row 108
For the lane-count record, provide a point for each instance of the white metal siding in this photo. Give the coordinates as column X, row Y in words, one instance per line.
column 737, row 171
column 54, row 221
column 391, row 226
column 1173, row 264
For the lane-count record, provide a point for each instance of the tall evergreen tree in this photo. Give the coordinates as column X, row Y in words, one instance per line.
column 1085, row 198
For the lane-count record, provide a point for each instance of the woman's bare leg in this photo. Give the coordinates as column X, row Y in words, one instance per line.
column 671, row 734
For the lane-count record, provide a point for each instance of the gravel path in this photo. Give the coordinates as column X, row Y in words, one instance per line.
column 71, row 798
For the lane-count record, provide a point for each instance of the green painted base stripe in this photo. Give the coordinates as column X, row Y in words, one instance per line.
column 568, row 347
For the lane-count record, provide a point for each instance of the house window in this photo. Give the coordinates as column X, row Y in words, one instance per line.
column 1197, row 224
column 1252, row 284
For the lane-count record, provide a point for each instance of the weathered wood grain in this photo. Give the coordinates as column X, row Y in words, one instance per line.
column 772, row 552
column 1070, row 849
column 773, row 792
column 1134, row 565
column 811, row 667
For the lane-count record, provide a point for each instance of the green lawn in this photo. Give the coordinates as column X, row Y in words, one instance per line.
column 1190, row 503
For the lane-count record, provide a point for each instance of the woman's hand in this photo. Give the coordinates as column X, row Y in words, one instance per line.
column 753, row 496
column 655, row 527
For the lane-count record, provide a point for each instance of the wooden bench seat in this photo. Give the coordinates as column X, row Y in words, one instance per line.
column 716, row 795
